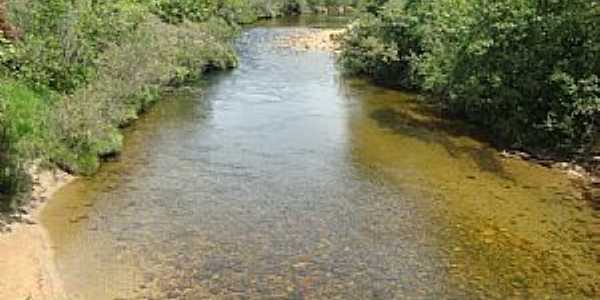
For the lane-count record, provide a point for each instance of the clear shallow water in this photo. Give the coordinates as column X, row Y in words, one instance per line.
column 283, row 180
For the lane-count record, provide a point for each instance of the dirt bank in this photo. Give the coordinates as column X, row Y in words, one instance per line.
column 27, row 268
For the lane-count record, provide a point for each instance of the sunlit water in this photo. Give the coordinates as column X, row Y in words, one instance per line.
column 282, row 180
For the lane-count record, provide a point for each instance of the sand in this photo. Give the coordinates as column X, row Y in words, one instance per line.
column 27, row 269
column 312, row 40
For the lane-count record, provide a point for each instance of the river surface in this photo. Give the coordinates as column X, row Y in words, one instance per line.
column 282, row 179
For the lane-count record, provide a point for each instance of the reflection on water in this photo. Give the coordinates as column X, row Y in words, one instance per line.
column 282, row 180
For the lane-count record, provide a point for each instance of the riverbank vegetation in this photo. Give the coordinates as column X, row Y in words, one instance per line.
column 81, row 70
column 527, row 71
column 72, row 73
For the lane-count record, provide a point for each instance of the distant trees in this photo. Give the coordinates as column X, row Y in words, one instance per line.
column 528, row 70
column 238, row 11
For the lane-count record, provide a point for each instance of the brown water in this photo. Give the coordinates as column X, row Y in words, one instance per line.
column 283, row 180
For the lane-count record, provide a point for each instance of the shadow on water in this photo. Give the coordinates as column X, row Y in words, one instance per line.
column 433, row 130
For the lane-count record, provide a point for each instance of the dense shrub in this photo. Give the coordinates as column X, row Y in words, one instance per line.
column 82, row 69
column 62, row 39
column 238, row 11
column 381, row 43
column 24, row 134
column 527, row 70
column 175, row 11
column 128, row 79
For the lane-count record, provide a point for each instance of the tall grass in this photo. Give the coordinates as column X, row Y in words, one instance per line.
column 24, row 133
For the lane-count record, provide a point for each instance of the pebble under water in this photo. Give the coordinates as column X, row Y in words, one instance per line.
column 282, row 179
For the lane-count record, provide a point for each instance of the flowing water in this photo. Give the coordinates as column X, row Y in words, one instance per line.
column 283, row 180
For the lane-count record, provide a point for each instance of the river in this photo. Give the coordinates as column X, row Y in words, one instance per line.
column 282, row 179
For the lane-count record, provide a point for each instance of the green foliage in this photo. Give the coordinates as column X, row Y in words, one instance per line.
column 380, row 45
column 176, row 11
column 23, row 134
column 127, row 82
column 527, row 70
column 82, row 70
column 62, row 38
column 236, row 11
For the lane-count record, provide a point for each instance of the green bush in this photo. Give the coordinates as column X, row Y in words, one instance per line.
column 233, row 11
column 82, row 70
column 526, row 70
column 381, row 44
column 128, row 79
column 176, row 11
column 236, row 11
column 62, row 39
column 24, row 134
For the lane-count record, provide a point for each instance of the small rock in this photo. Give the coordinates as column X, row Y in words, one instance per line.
column 562, row 165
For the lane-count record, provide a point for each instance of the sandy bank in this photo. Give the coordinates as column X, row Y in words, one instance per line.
column 27, row 268
column 311, row 40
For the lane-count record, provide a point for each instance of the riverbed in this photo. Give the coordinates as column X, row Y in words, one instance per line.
column 283, row 179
